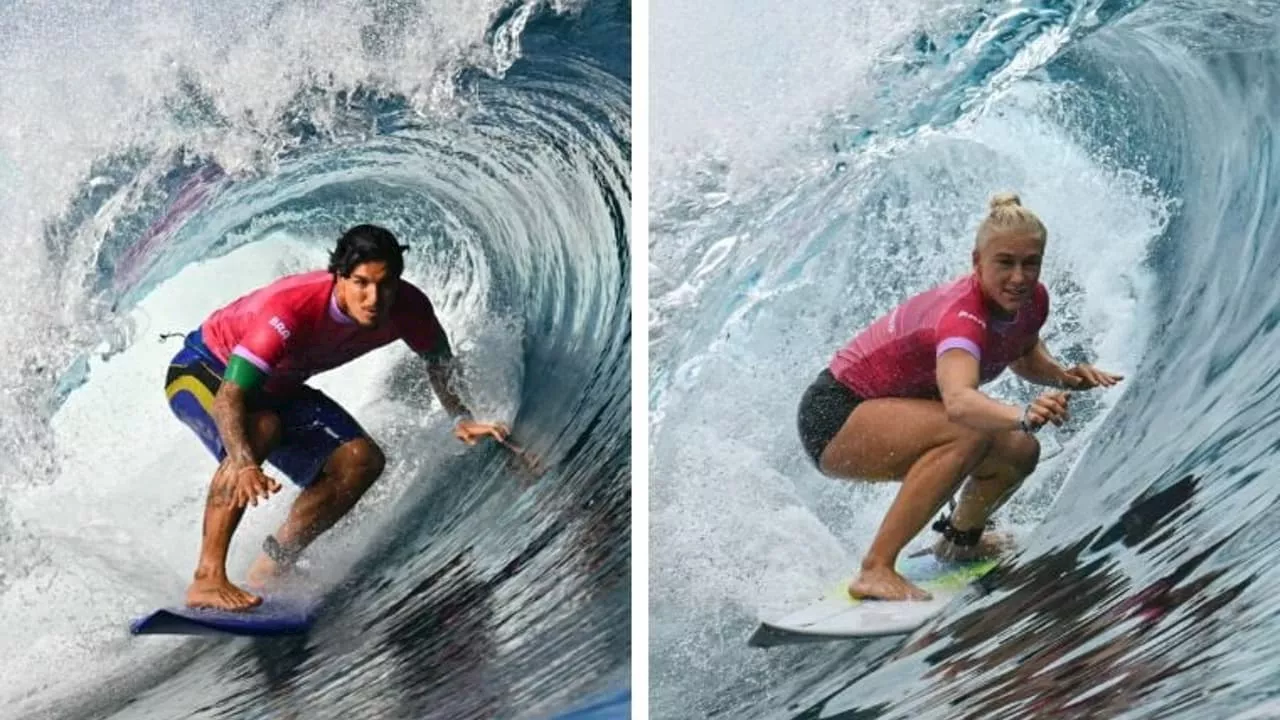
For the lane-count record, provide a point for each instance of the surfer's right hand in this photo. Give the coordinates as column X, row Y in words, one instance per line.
column 248, row 484
column 1050, row 407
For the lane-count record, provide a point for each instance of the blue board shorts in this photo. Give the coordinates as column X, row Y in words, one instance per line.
column 312, row 425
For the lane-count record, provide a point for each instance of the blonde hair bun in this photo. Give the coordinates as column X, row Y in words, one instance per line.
column 1000, row 200
column 1008, row 215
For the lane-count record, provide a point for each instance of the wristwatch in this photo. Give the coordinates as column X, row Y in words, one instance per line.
column 1023, row 424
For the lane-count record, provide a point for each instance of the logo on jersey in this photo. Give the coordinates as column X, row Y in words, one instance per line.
column 280, row 327
column 975, row 318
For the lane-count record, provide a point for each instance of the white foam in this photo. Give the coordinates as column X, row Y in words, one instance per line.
column 749, row 82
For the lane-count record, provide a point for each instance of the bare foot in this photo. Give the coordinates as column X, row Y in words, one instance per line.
column 211, row 592
column 990, row 545
column 884, row 584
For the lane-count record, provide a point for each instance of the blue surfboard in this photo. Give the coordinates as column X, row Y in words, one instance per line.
column 278, row 615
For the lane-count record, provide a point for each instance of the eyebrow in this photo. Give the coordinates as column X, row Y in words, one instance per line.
column 386, row 280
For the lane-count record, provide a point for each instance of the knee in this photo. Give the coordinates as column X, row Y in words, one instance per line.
column 354, row 467
column 365, row 459
column 974, row 444
column 1025, row 452
column 1017, row 450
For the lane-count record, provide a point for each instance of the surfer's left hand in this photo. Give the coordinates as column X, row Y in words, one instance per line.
column 1085, row 376
column 471, row 432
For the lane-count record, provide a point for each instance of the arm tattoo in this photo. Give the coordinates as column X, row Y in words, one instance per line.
column 231, row 416
column 442, row 376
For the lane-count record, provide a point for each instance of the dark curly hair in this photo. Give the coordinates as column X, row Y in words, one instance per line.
column 367, row 243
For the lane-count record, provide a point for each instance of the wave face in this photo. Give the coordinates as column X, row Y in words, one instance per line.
column 158, row 160
column 1143, row 134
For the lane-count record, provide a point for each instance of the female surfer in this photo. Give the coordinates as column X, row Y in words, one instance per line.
column 901, row 400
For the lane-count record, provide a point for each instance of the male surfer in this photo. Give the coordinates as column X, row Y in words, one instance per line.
column 239, row 382
column 901, row 400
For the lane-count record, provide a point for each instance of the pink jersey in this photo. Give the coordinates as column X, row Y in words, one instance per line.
column 293, row 329
column 897, row 356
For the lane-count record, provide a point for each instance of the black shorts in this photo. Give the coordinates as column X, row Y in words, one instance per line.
column 823, row 410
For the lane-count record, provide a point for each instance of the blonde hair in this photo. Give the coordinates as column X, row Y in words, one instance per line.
column 1007, row 215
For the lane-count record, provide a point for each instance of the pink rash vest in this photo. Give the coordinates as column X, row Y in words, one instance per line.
column 292, row 329
column 897, row 356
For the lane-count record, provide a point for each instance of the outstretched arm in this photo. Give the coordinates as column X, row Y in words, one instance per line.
column 967, row 405
column 958, row 375
column 423, row 333
column 1039, row 367
column 444, row 371
column 441, row 373
column 431, row 343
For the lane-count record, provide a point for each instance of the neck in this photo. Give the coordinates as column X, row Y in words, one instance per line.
column 998, row 313
column 337, row 311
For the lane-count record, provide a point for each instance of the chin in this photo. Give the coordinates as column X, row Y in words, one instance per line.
column 1016, row 303
column 1011, row 308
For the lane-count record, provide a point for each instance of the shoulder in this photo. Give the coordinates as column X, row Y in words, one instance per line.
column 411, row 300
column 295, row 303
column 412, row 314
column 960, row 291
column 415, row 322
column 960, row 302
column 297, row 294
column 941, row 297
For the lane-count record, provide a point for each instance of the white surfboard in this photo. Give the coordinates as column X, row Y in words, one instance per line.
column 837, row 615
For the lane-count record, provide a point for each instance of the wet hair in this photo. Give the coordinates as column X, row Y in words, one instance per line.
column 1007, row 215
column 367, row 243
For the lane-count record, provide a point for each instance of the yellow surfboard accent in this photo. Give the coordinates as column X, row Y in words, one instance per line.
column 952, row 580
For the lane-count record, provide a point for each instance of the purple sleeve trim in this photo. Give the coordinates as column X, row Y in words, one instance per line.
column 245, row 353
column 965, row 344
